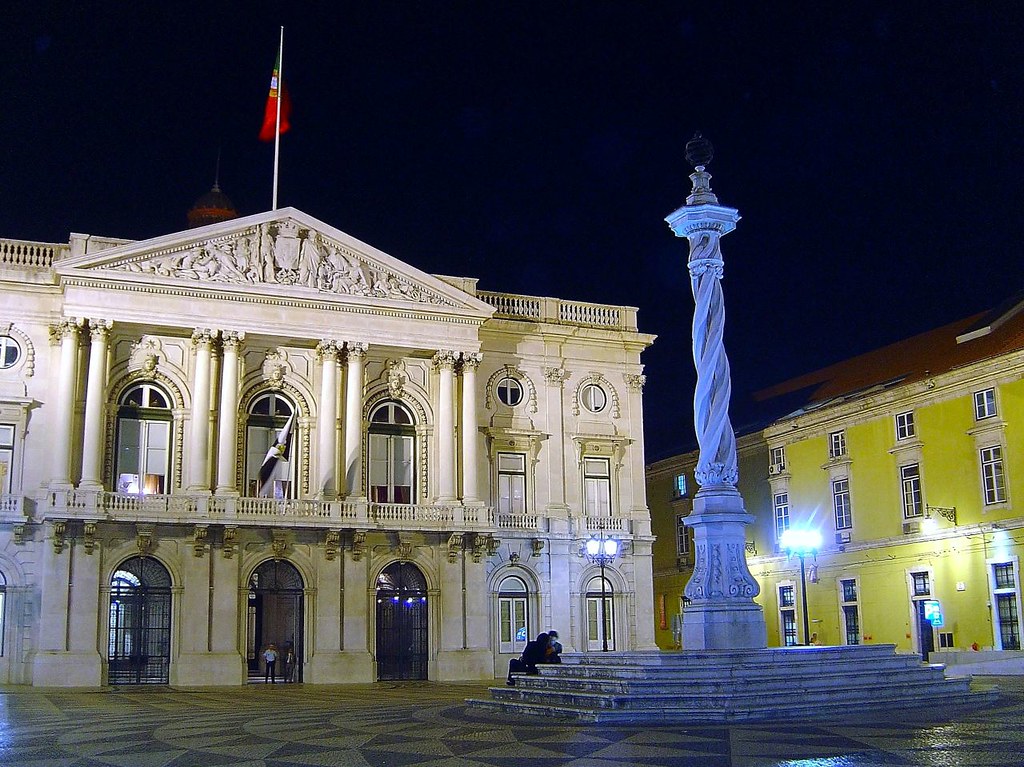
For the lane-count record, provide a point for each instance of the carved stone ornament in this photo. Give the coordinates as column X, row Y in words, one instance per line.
column 720, row 573
column 60, row 530
column 145, row 355
column 144, row 540
column 480, row 548
column 89, row 537
column 66, row 328
column 403, row 547
column 454, row 547
column 199, row 535
column 19, row 534
column 635, row 382
column 228, row 545
column 284, row 253
column 492, row 545
column 556, row 376
column 278, row 543
column 327, row 350
column 445, row 359
column 358, row 545
column 275, row 365
column 397, row 377
column 332, row 542
column 536, row 547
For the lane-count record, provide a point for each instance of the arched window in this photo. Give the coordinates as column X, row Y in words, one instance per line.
column 600, row 615
column 270, row 471
column 513, row 612
column 143, row 440
column 392, row 441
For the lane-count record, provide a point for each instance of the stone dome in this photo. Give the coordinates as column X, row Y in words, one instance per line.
column 213, row 207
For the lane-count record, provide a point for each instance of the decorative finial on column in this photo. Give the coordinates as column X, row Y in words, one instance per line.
column 699, row 153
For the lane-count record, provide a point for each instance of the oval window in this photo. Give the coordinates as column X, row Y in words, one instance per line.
column 594, row 398
column 10, row 352
column 510, row 391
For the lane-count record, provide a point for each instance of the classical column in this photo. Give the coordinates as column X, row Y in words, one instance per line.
column 226, row 453
column 64, row 414
column 199, row 441
column 95, row 396
column 470, row 435
column 721, row 613
column 327, row 420
column 354, row 419
column 445, row 363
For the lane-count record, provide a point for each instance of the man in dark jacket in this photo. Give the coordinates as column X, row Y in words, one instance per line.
column 532, row 655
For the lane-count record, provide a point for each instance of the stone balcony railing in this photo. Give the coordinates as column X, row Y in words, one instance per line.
column 22, row 254
column 557, row 310
column 267, row 512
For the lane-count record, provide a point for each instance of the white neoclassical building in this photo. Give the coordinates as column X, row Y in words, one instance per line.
column 437, row 457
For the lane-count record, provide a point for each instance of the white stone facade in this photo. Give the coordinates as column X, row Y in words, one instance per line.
column 474, row 435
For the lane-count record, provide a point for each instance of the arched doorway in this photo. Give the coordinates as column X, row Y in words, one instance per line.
column 139, row 623
column 274, row 616
column 401, row 622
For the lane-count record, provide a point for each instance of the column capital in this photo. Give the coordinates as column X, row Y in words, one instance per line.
column 356, row 348
column 231, row 339
column 556, row 376
column 202, row 338
column 68, row 327
column 327, row 350
column 445, row 359
column 472, row 360
column 99, row 329
column 635, row 382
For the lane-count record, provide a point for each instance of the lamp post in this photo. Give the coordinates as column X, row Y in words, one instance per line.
column 602, row 551
column 801, row 543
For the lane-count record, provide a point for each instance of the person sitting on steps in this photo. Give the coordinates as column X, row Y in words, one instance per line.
column 527, row 662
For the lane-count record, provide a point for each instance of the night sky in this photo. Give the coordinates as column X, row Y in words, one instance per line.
column 875, row 154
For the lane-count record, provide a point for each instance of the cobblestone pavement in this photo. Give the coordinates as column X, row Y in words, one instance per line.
column 392, row 725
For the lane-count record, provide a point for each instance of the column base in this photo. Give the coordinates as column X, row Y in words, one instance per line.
column 724, row 627
column 67, row 669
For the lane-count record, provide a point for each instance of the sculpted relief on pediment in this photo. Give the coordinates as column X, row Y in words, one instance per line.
column 283, row 253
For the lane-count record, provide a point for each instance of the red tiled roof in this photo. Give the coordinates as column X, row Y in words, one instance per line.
column 928, row 354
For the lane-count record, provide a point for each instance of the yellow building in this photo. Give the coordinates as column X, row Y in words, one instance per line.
column 907, row 461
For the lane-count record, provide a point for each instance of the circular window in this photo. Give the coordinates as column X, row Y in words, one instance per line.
column 510, row 391
column 10, row 352
column 593, row 397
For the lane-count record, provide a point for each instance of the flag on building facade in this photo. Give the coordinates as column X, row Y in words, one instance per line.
column 277, row 90
column 277, row 456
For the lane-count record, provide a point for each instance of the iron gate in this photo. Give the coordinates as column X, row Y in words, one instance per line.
column 139, row 638
column 275, row 617
column 401, row 623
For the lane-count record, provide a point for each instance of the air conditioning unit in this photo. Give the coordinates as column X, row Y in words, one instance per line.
column 776, row 468
column 911, row 526
column 842, row 538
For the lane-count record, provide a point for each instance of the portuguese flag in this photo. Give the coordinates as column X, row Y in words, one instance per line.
column 277, row 91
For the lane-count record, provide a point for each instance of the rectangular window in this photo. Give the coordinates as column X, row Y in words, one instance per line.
column 682, row 537
column 905, row 428
column 850, row 611
column 6, row 457
column 781, row 504
column 597, row 487
column 946, row 640
column 837, row 444
column 921, row 583
column 778, row 458
column 511, row 483
column 841, row 504
column 512, row 630
column 1002, row 574
column 679, row 487
column 1006, row 603
column 984, row 404
column 787, row 615
column 910, row 479
column 992, row 474
column 600, row 623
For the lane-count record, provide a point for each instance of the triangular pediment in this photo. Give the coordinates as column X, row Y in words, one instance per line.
column 280, row 253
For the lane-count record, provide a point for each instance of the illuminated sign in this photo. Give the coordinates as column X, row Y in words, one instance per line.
column 933, row 613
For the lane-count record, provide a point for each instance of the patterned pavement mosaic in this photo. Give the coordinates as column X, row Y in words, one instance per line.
column 393, row 725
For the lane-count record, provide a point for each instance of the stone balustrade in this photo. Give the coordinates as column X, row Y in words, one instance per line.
column 22, row 254
column 12, row 508
column 522, row 522
column 536, row 309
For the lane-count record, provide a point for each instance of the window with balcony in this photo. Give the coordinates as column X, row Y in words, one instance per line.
column 841, row 504
column 992, row 480
column 270, row 471
column 143, row 461
column 910, row 480
column 984, row 404
column 905, row 428
column 511, row 483
column 597, row 487
column 392, row 439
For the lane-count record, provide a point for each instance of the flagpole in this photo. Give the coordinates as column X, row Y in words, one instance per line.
column 277, row 128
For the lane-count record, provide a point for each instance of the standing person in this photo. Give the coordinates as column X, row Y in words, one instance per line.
column 270, row 657
column 554, row 652
column 532, row 655
column 289, row 662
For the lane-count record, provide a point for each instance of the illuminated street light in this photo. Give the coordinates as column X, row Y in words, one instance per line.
column 602, row 551
column 801, row 542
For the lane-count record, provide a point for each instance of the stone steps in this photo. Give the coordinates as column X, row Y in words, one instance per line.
column 723, row 686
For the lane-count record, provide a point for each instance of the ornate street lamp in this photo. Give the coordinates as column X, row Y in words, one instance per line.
column 602, row 551
column 801, row 542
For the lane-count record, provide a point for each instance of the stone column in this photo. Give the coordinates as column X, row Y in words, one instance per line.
column 64, row 414
column 95, row 397
column 354, row 419
column 226, row 436
column 470, row 435
column 199, row 441
column 445, row 363
column 721, row 614
column 327, row 421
